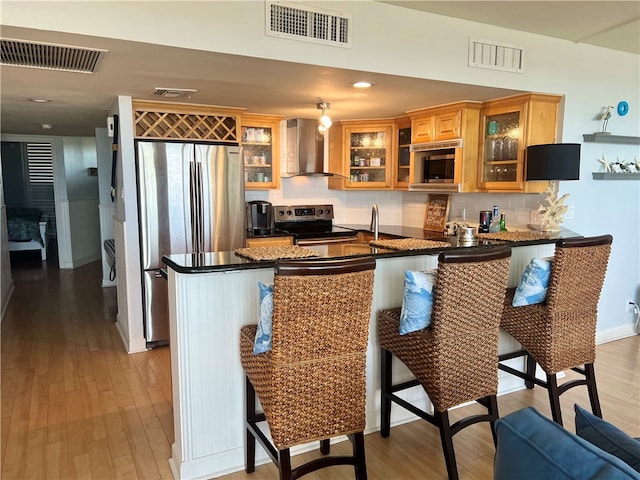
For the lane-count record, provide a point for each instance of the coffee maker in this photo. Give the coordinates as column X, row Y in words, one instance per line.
column 259, row 217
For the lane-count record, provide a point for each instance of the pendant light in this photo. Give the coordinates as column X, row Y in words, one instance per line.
column 325, row 121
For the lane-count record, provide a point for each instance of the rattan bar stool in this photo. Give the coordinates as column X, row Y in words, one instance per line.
column 560, row 334
column 456, row 358
column 311, row 384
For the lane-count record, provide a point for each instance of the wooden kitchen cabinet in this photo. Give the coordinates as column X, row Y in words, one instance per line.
column 436, row 124
column 402, row 154
column 507, row 126
column 260, row 140
column 268, row 241
column 362, row 152
column 456, row 133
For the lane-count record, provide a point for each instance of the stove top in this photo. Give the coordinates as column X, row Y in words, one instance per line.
column 308, row 221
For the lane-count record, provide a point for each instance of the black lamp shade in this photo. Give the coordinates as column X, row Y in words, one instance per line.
column 554, row 161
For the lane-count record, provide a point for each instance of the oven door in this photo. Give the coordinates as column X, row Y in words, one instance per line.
column 307, row 242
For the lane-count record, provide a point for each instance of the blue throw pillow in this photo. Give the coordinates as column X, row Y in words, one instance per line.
column 262, row 342
column 607, row 437
column 533, row 447
column 533, row 284
column 417, row 300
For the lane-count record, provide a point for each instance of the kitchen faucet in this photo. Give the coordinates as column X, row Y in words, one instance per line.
column 375, row 221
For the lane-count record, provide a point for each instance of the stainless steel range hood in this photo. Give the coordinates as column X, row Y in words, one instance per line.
column 305, row 148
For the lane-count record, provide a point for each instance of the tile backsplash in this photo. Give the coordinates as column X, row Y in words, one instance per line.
column 396, row 207
column 519, row 209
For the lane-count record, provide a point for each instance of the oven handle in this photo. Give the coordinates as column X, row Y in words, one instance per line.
column 323, row 241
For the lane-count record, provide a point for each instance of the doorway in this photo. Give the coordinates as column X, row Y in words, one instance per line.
column 28, row 183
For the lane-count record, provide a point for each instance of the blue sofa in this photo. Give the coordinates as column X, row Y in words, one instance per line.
column 531, row 446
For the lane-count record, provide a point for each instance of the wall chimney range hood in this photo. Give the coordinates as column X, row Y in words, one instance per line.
column 305, row 148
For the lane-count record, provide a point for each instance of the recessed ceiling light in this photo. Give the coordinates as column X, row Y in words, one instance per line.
column 39, row 100
column 46, row 126
column 363, row 84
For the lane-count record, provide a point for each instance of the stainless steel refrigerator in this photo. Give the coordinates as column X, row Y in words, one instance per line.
column 191, row 200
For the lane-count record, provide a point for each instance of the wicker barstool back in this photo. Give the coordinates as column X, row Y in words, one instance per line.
column 578, row 272
column 560, row 333
column 311, row 385
column 456, row 358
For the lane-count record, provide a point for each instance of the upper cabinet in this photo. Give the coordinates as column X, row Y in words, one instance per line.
column 402, row 154
column 434, row 125
column 260, row 140
column 362, row 152
column 444, row 147
column 508, row 126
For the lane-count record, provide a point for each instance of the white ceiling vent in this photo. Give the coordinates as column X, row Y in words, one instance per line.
column 20, row 53
column 309, row 24
column 495, row 56
column 173, row 92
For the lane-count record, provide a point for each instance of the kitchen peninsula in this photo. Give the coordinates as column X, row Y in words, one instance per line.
column 211, row 295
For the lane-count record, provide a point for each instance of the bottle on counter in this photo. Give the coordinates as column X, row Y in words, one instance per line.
column 495, row 221
column 503, row 223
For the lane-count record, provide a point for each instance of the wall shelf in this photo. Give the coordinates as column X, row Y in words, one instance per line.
column 615, row 176
column 601, row 138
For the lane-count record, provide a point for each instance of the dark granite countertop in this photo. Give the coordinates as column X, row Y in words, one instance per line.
column 274, row 233
column 230, row 261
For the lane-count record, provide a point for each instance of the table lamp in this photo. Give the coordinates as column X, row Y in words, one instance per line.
column 553, row 162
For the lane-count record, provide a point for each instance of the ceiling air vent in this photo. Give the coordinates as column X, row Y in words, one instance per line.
column 173, row 92
column 495, row 56
column 309, row 24
column 20, row 53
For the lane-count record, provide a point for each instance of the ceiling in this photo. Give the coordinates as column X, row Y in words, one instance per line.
column 79, row 102
column 608, row 24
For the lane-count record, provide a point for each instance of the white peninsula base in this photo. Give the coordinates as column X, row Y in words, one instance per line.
column 207, row 311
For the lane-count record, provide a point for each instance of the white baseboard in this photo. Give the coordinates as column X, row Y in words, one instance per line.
column 616, row 333
column 135, row 345
column 78, row 262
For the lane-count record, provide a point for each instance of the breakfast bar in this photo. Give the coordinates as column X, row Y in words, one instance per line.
column 211, row 295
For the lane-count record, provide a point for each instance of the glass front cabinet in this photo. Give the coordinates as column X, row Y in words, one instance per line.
column 402, row 169
column 507, row 127
column 260, row 136
column 502, row 153
column 365, row 159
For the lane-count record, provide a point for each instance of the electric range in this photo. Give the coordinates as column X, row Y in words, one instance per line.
column 310, row 224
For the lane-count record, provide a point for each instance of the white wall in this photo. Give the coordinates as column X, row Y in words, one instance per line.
column 6, row 281
column 130, row 319
column 106, row 206
column 430, row 47
column 82, row 200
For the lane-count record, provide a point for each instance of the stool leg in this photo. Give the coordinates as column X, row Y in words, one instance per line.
column 531, row 370
column 285, row 464
column 358, row 451
column 250, row 413
column 385, row 389
column 590, row 375
column 554, row 398
column 492, row 407
column 446, row 437
column 325, row 447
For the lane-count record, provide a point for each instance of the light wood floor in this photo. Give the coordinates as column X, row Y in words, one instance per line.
column 75, row 405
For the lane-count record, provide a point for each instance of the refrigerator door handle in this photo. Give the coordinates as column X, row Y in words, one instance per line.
column 200, row 206
column 193, row 204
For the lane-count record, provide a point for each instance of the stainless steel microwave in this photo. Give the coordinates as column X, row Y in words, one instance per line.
column 434, row 165
column 439, row 167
